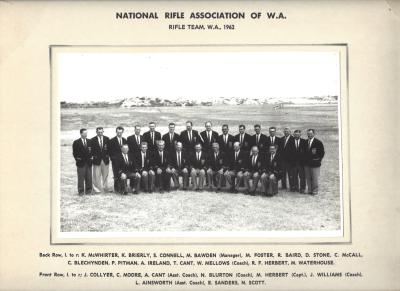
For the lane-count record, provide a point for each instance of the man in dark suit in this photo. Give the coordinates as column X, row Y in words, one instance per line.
column 135, row 140
column 179, row 165
column 143, row 161
column 215, row 169
column 208, row 137
column 297, row 161
column 226, row 140
column 272, row 172
column 198, row 167
column 114, row 149
column 254, row 167
column 170, row 138
column 235, row 164
column 260, row 140
column 287, row 147
column 161, row 169
column 272, row 139
column 83, row 155
column 243, row 138
column 313, row 158
column 126, row 170
column 101, row 161
column 152, row 136
column 189, row 138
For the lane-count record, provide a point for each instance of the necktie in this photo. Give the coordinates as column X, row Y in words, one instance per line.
column 286, row 139
column 258, row 138
column 309, row 143
column 241, row 139
column 216, row 156
column 272, row 157
column 254, row 161
column 297, row 144
column 126, row 159
column 190, row 136
column 101, row 142
column 152, row 138
column 161, row 154
column 171, row 136
column 236, row 155
column 84, row 143
column 272, row 140
column 143, row 159
column 179, row 159
column 208, row 134
column 225, row 138
column 198, row 156
column 120, row 143
column 137, row 140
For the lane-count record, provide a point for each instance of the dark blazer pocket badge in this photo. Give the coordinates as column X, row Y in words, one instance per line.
column 202, row 162
column 246, row 143
column 314, row 151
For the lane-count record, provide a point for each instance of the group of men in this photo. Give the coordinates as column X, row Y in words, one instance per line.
column 216, row 161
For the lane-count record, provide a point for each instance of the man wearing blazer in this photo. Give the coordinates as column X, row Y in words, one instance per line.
column 297, row 161
column 260, row 140
column 83, row 155
column 272, row 171
column 198, row 167
column 272, row 139
column 101, row 161
column 114, row 149
column 313, row 158
column 179, row 165
column 287, row 147
column 215, row 169
column 208, row 137
column 135, row 140
column 170, row 138
column 189, row 138
column 254, row 167
column 126, row 170
column 235, row 163
column 143, row 161
column 151, row 137
column 161, row 169
column 243, row 138
column 226, row 140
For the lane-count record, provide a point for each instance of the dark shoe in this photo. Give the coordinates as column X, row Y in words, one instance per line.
column 125, row 193
column 161, row 191
column 253, row 193
column 301, row 191
column 135, row 192
column 246, row 192
column 81, row 193
column 217, row 190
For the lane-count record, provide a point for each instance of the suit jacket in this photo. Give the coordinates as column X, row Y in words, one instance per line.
column 170, row 144
column 238, row 164
column 148, row 162
column 262, row 142
column 287, row 151
column 314, row 154
column 246, row 143
column 173, row 163
column 100, row 153
column 274, row 166
column 147, row 138
column 199, row 164
column 83, row 155
column 277, row 141
column 114, row 149
column 158, row 162
column 207, row 143
column 228, row 146
column 216, row 164
column 132, row 143
column 258, row 166
column 122, row 166
column 299, row 154
column 188, row 146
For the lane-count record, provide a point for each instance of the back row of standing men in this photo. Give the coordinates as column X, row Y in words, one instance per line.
column 152, row 159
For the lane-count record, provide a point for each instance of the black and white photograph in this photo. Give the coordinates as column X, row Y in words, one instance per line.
column 200, row 142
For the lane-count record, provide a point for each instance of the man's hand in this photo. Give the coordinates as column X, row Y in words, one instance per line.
column 123, row 176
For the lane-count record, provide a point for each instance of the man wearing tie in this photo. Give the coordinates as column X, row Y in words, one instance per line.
column 254, row 166
column 208, row 137
column 272, row 172
column 235, row 164
column 313, row 158
column 243, row 138
column 297, row 161
column 273, row 139
column 143, row 161
column 126, row 170
column 151, row 137
column 198, row 167
column 259, row 139
column 171, row 138
column 287, row 147
column 82, row 152
column 189, row 138
column 161, row 169
column 225, row 140
column 179, row 165
column 135, row 140
column 215, row 169
column 114, row 149
column 101, row 160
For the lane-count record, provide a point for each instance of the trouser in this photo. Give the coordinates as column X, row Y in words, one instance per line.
column 255, row 176
column 100, row 177
column 163, row 179
column 115, row 176
column 84, row 179
column 185, row 176
column 298, row 175
column 201, row 173
column 270, row 184
column 287, row 172
column 147, row 180
column 134, row 182
column 231, row 176
column 214, row 175
column 312, row 176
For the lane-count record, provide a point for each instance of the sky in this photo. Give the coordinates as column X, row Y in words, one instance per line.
column 92, row 76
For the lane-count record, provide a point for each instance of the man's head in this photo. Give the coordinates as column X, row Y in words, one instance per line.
column 83, row 132
column 178, row 146
column 197, row 148
column 215, row 147
column 143, row 146
column 254, row 150
column 272, row 131
column 225, row 129
column 119, row 130
column 286, row 131
column 297, row 133
column 137, row 129
column 171, row 127
column 257, row 128
column 125, row 148
column 242, row 129
column 161, row 145
column 272, row 149
column 189, row 125
column 208, row 125
column 310, row 133
column 152, row 126
column 236, row 146
column 99, row 131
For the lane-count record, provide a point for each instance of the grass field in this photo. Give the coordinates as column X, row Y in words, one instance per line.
column 193, row 211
